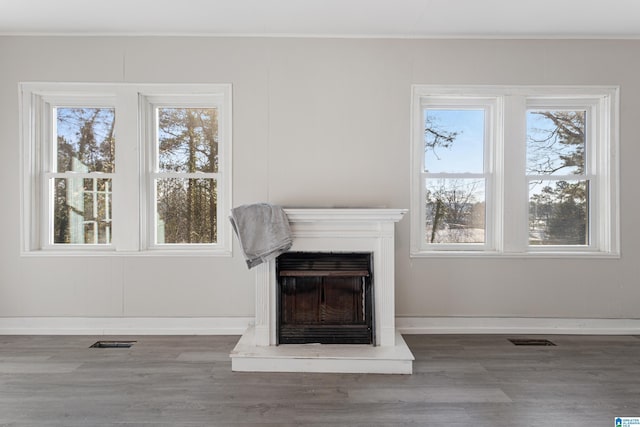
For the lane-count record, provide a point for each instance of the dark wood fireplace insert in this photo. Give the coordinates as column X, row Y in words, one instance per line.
column 325, row 298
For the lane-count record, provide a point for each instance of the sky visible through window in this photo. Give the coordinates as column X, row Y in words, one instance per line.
column 465, row 152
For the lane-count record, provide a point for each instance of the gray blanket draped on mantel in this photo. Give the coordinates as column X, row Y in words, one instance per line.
column 262, row 230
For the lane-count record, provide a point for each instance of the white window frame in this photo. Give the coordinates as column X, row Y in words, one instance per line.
column 131, row 207
column 489, row 106
column 39, row 152
column 507, row 149
column 591, row 167
column 149, row 103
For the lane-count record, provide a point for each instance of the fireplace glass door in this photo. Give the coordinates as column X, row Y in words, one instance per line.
column 325, row 298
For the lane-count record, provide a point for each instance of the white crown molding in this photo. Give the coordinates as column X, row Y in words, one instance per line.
column 316, row 18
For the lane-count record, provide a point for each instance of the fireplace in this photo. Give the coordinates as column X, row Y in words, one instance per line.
column 324, row 298
column 324, row 233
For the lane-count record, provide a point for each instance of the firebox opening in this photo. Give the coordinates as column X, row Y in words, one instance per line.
column 325, row 298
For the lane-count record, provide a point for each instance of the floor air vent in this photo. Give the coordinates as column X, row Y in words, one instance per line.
column 113, row 344
column 529, row 341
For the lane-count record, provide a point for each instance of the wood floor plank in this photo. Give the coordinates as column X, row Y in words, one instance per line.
column 38, row 367
column 431, row 394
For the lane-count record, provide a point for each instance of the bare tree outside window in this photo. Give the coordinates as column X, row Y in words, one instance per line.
column 455, row 211
column 455, row 183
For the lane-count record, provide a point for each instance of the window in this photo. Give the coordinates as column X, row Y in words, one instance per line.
column 80, row 175
column 184, row 169
column 456, row 172
column 126, row 168
column 514, row 171
column 558, row 175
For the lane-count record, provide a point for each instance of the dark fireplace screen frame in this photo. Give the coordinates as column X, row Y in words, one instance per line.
column 325, row 298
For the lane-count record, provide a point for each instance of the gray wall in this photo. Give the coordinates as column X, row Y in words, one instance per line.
column 319, row 123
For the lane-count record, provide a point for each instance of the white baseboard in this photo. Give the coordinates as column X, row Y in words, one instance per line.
column 238, row 325
column 516, row 325
column 124, row 325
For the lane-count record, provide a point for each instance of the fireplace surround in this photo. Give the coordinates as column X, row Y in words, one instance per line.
column 331, row 230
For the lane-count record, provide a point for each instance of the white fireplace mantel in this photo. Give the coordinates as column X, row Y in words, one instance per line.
column 331, row 230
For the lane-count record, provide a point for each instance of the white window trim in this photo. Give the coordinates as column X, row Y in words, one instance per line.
column 131, row 237
column 489, row 106
column 149, row 102
column 592, row 171
column 509, row 160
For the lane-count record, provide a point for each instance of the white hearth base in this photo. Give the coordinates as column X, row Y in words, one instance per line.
column 322, row 358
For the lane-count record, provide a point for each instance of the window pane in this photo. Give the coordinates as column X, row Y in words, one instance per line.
column 453, row 141
column 455, row 211
column 188, row 139
column 555, row 142
column 85, row 139
column 186, row 210
column 559, row 212
column 82, row 211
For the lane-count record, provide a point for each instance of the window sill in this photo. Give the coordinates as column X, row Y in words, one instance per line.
column 522, row 255
column 113, row 253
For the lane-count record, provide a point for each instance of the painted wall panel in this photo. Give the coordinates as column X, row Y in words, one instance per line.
column 319, row 123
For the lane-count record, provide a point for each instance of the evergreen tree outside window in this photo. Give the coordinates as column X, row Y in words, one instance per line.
column 559, row 202
column 186, row 175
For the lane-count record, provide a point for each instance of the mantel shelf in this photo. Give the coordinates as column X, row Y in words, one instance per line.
column 344, row 215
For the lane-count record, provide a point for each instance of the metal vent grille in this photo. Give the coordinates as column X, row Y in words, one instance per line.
column 335, row 334
column 113, row 344
column 313, row 262
column 533, row 342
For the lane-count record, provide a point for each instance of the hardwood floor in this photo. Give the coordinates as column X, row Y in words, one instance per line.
column 458, row 380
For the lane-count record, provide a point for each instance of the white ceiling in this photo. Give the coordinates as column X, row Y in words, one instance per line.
column 325, row 18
